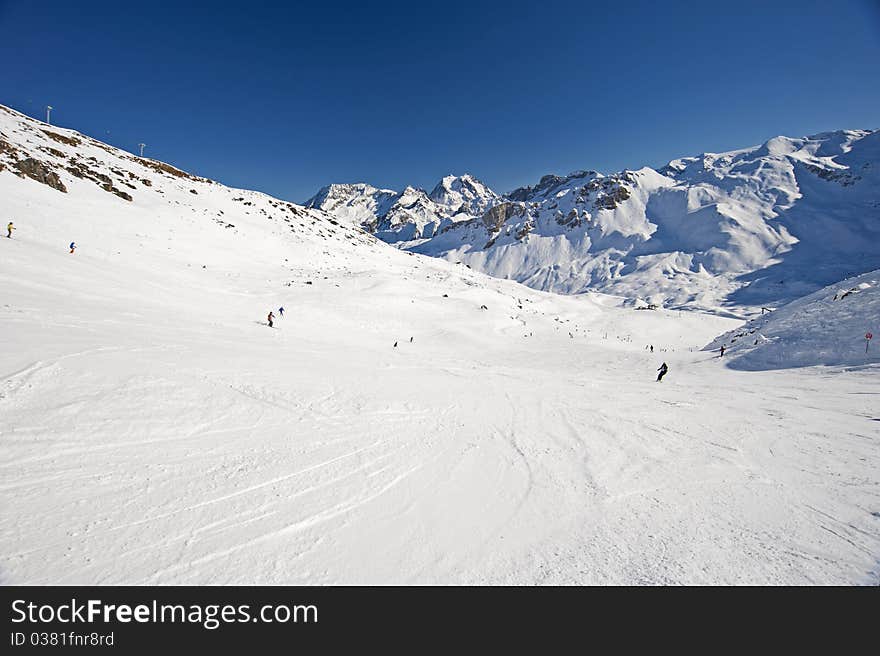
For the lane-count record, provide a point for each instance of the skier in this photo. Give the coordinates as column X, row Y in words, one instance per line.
column 722, row 351
column 72, row 246
column 281, row 312
column 652, row 348
column 269, row 318
column 9, row 229
column 663, row 369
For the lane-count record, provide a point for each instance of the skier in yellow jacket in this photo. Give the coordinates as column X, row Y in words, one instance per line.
column 9, row 230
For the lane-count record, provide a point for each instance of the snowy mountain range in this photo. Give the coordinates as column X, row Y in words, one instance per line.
column 737, row 231
column 409, row 215
column 746, row 228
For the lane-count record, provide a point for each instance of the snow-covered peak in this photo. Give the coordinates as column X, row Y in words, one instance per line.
column 408, row 215
column 819, row 150
column 415, row 193
column 353, row 203
column 464, row 194
column 550, row 183
column 343, row 191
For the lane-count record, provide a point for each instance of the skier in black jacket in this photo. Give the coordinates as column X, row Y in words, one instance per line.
column 663, row 369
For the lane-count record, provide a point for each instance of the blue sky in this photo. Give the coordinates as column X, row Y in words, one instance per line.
column 287, row 97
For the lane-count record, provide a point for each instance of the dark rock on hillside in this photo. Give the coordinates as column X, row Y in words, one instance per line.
column 613, row 196
column 545, row 184
column 39, row 171
column 495, row 217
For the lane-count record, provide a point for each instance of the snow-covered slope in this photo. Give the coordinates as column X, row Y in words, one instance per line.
column 745, row 228
column 153, row 207
column 409, row 215
column 408, row 420
column 827, row 327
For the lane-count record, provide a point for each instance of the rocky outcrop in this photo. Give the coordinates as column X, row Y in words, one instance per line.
column 109, row 188
column 844, row 178
column 83, row 172
column 497, row 216
column 39, row 171
column 573, row 219
column 524, row 230
column 8, row 149
column 614, row 194
column 162, row 167
column 547, row 183
column 60, row 138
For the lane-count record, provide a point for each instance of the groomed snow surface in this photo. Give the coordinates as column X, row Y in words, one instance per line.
column 154, row 429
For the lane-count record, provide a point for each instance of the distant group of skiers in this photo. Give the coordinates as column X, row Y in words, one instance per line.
column 270, row 318
column 10, row 227
column 662, row 370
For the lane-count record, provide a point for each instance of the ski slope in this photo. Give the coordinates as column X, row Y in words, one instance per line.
column 827, row 327
column 154, row 430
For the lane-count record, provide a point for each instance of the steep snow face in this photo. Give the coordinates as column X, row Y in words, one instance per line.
column 407, row 216
column 744, row 228
column 828, row 327
column 464, row 195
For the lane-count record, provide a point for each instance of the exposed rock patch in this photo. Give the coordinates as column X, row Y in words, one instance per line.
column 60, row 138
column 162, row 167
column 39, row 171
column 497, row 216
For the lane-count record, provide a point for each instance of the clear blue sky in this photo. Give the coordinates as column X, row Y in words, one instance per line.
column 287, row 97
